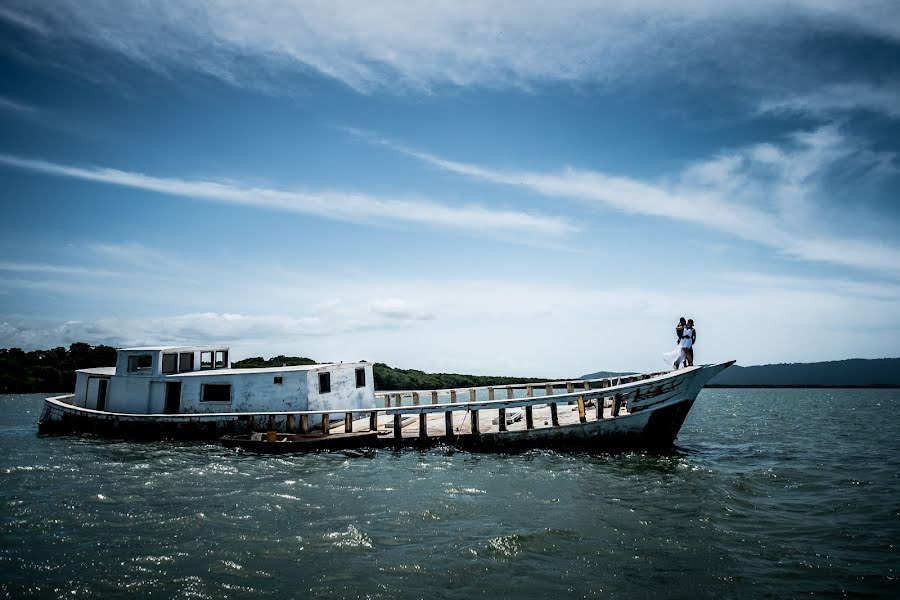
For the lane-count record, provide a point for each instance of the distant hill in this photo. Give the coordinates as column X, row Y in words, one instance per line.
column 605, row 374
column 855, row 372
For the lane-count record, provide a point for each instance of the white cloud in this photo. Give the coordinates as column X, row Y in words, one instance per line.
column 765, row 193
column 344, row 206
column 492, row 326
column 418, row 45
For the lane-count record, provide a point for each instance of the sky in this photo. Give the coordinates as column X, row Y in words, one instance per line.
column 508, row 187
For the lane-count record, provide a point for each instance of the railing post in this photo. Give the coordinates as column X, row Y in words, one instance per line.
column 289, row 424
column 570, row 387
column 472, row 394
column 617, row 403
column 510, row 394
column 423, row 425
column 554, row 415
column 304, row 423
column 502, row 419
column 373, row 420
column 529, row 417
column 490, row 393
column 475, row 429
column 434, row 397
column 398, row 434
column 453, row 396
column 387, row 400
column 581, row 416
column 348, row 422
column 399, row 399
column 448, row 423
column 549, row 389
column 587, row 385
column 529, row 391
column 415, row 398
column 271, row 423
column 326, row 427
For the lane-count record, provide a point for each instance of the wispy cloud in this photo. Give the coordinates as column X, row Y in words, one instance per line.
column 48, row 269
column 357, row 208
column 200, row 328
column 764, row 193
column 419, row 45
column 838, row 98
column 11, row 105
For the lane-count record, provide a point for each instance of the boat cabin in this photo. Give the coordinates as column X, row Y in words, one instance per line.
column 199, row 379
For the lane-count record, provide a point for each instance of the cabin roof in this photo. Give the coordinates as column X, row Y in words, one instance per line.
column 99, row 371
column 172, row 348
column 221, row 372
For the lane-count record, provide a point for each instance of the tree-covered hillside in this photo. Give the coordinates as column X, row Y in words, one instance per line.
column 49, row 370
column 258, row 362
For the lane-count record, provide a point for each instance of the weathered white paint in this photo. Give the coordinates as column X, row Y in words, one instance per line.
column 252, row 390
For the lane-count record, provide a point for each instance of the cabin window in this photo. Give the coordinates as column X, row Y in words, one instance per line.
column 206, row 360
column 186, row 362
column 216, row 392
column 140, row 362
column 360, row 378
column 278, row 380
column 170, row 363
column 221, row 359
column 324, row 383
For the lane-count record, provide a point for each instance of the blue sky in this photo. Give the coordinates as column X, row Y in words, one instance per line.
column 492, row 187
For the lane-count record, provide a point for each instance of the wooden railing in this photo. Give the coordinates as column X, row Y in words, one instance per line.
column 396, row 398
column 613, row 389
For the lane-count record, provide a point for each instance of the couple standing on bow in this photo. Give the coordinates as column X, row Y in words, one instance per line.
column 687, row 335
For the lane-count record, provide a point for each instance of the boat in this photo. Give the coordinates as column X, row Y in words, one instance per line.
column 193, row 393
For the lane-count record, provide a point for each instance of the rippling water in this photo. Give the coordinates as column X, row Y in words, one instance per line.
column 770, row 493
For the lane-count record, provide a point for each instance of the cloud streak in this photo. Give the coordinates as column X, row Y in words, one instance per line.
column 7, row 104
column 764, row 193
column 357, row 208
column 421, row 45
column 838, row 98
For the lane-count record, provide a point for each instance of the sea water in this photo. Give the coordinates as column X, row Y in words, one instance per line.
column 768, row 493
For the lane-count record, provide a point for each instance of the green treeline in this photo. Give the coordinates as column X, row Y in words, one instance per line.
column 54, row 370
column 258, row 362
column 49, row 370
column 388, row 378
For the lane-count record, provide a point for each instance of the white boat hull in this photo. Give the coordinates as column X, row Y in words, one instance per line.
column 654, row 410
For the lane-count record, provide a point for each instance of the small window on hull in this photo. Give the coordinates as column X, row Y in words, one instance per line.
column 278, row 380
column 324, row 383
column 216, row 392
column 360, row 378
